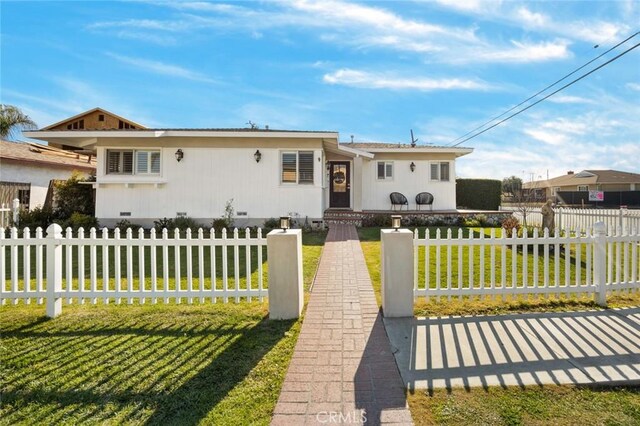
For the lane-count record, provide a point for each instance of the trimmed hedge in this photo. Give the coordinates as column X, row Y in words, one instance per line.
column 478, row 194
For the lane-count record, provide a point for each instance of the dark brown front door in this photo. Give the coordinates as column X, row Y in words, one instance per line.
column 340, row 186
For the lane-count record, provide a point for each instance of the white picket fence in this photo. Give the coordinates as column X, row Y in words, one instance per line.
column 110, row 268
column 581, row 219
column 565, row 264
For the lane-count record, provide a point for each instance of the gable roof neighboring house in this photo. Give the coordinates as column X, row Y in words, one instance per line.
column 147, row 173
column 95, row 119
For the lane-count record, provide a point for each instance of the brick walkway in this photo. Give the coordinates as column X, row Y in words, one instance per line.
column 342, row 370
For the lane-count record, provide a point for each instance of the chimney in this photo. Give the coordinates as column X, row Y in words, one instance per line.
column 570, row 172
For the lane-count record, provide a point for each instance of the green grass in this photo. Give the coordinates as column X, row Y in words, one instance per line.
column 370, row 242
column 155, row 364
column 152, row 364
column 548, row 405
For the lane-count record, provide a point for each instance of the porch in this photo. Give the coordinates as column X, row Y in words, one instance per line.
column 411, row 217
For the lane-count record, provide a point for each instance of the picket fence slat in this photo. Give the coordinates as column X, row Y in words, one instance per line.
column 99, row 267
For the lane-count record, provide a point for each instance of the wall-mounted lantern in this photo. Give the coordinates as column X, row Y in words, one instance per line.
column 412, row 166
column 257, row 156
column 179, row 155
column 396, row 221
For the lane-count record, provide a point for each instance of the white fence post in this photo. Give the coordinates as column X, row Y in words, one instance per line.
column 54, row 271
column 16, row 212
column 397, row 272
column 286, row 293
column 600, row 263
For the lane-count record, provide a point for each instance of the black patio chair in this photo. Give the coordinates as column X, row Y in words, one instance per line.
column 397, row 199
column 424, row 199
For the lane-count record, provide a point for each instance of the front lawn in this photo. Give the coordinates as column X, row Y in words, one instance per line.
column 548, row 405
column 152, row 364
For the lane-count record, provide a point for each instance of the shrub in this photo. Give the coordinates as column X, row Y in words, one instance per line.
column 481, row 194
column 509, row 224
column 379, row 220
column 124, row 224
column 71, row 196
column 160, row 224
column 271, row 224
column 219, row 224
column 36, row 217
column 184, row 223
column 471, row 222
column 80, row 220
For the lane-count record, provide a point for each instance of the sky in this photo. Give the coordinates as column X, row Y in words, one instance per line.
column 374, row 70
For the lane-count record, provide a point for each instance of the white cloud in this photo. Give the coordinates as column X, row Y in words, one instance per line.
column 525, row 52
column 364, row 79
column 633, row 86
column 162, row 68
column 548, row 137
column 516, row 14
column 359, row 26
column 566, row 99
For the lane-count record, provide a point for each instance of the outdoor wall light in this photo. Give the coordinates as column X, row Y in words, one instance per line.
column 395, row 221
column 179, row 155
column 412, row 166
column 257, row 156
column 285, row 223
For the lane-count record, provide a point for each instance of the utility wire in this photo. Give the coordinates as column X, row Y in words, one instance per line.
column 549, row 95
column 545, row 89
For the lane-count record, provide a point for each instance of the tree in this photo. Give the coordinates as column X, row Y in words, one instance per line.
column 13, row 120
column 512, row 185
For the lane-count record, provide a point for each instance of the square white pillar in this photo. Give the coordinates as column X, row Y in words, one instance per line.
column 286, row 292
column 397, row 273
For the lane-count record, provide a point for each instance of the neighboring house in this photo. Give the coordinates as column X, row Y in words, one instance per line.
column 145, row 174
column 27, row 170
column 588, row 180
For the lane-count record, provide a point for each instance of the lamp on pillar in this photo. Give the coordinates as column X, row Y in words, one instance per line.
column 285, row 223
column 396, row 221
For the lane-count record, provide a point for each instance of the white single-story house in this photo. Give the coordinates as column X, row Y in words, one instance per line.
column 27, row 171
column 145, row 174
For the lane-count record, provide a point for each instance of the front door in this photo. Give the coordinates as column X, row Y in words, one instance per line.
column 340, row 186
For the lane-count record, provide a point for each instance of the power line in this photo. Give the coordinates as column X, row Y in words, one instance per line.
column 549, row 95
column 545, row 89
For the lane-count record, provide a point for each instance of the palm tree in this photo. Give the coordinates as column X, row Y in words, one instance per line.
column 12, row 120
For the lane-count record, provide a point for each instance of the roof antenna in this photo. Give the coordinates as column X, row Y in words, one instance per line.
column 413, row 140
column 351, row 138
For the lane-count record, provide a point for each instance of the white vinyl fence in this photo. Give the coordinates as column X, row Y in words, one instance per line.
column 581, row 219
column 112, row 268
column 569, row 264
column 9, row 215
column 564, row 264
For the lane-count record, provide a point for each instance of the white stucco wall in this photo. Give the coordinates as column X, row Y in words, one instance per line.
column 375, row 192
column 38, row 175
column 203, row 181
